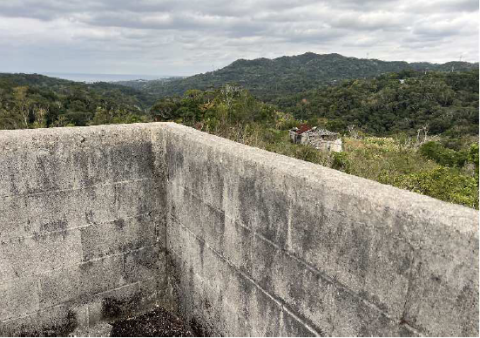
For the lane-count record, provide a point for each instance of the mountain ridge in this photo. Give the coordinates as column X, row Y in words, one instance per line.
column 270, row 78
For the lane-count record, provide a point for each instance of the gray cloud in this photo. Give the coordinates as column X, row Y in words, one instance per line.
column 189, row 36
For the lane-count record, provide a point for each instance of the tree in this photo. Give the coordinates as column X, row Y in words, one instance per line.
column 40, row 114
column 21, row 102
column 9, row 119
column 164, row 110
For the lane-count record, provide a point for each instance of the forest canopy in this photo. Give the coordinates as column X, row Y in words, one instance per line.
column 444, row 103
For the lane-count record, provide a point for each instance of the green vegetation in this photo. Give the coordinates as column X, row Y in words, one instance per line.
column 444, row 156
column 438, row 103
column 35, row 101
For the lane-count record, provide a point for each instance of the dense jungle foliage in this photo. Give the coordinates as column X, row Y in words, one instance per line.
column 420, row 134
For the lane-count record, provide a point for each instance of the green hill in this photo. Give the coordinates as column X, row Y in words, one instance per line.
column 33, row 100
column 445, row 102
column 268, row 79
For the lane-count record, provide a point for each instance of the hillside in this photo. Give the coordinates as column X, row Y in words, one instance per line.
column 444, row 102
column 268, row 79
column 144, row 85
column 32, row 100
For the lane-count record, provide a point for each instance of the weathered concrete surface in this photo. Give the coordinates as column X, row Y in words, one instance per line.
column 82, row 224
column 269, row 245
column 101, row 221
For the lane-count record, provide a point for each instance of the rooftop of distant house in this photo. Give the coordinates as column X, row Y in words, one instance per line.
column 305, row 127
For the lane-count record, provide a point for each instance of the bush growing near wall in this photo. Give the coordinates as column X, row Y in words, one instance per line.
column 473, row 157
column 341, row 162
column 446, row 184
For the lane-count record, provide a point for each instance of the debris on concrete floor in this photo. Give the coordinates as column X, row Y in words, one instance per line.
column 157, row 323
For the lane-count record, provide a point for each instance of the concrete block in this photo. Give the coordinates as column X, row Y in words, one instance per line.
column 127, row 301
column 121, row 235
column 61, row 286
column 92, row 163
column 13, row 217
column 113, row 156
column 372, row 261
column 18, row 298
column 22, row 257
column 53, row 211
column 54, row 321
column 133, row 161
column 136, row 198
column 262, row 207
column 442, row 298
column 61, row 210
column 109, row 155
column 184, row 163
column 55, row 159
column 145, row 263
column 329, row 306
column 201, row 218
column 222, row 300
column 83, row 283
column 102, row 275
column 210, row 224
column 34, row 170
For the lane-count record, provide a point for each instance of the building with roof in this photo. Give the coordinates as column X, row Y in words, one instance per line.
column 318, row 138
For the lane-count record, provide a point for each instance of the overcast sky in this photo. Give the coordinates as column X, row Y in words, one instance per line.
column 183, row 37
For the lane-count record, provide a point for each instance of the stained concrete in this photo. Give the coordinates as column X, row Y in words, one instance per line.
column 80, row 211
column 332, row 253
column 101, row 222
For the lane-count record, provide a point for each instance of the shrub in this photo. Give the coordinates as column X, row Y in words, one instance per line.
column 446, row 184
column 341, row 162
column 443, row 156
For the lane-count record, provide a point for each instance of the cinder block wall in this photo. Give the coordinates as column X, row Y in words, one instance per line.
column 100, row 222
column 82, row 226
column 269, row 245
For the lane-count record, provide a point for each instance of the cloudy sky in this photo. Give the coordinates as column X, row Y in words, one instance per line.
column 183, row 37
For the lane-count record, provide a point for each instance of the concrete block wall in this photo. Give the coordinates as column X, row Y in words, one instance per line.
column 82, row 225
column 268, row 245
column 100, row 222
